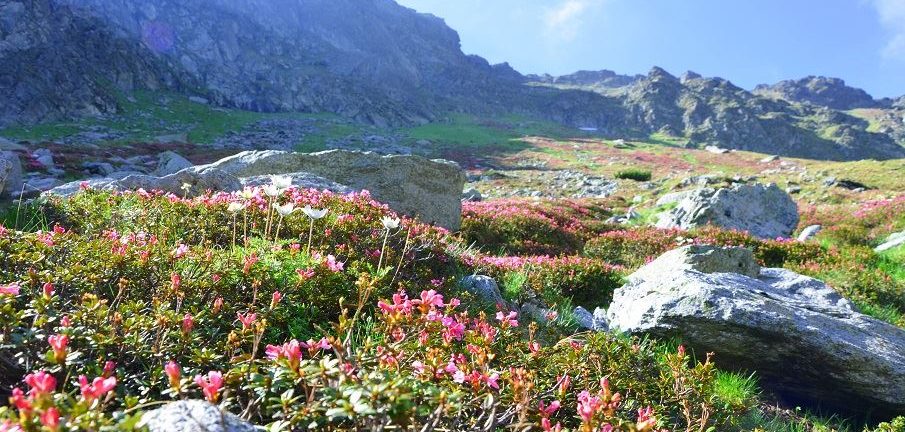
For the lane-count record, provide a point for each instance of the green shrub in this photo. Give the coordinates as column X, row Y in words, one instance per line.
column 636, row 174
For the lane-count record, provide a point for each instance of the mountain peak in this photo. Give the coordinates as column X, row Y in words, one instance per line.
column 819, row 90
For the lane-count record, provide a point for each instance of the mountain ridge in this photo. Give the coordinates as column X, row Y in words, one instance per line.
column 380, row 63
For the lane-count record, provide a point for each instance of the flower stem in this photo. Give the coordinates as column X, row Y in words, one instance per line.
column 276, row 236
column 383, row 249
column 310, row 233
column 234, row 232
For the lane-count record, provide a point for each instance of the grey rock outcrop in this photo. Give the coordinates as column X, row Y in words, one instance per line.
column 763, row 211
column 804, row 340
column 193, row 416
column 412, row 185
column 10, row 174
column 170, row 162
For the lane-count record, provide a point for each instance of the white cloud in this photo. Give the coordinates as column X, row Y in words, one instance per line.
column 892, row 17
column 564, row 20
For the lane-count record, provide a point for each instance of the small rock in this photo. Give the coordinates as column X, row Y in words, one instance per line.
column 584, row 318
column 484, row 287
column 472, row 195
column 199, row 100
column 192, row 416
column 601, row 322
column 170, row 162
column 893, row 241
column 99, row 168
column 809, row 232
column 769, row 159
column 716, row 150
column 44, row 157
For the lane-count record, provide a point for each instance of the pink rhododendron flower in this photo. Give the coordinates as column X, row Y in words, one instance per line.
column 334, row 265
column 210, row 385
column 305, row 274
column 58, row 344
column 97, row 388
column 40, row 383
column 48, row 290
column 247, row 320
column 174, row 373
column 275, row 299
column 250, row 261
column 290, row 351
column 11, row 289
column 429, row 299
column 187, row 323
column 507, row 319
column 50, row 419
column 109, row 367
column 180, row 251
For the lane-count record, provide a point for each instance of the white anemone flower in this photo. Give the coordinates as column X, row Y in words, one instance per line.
column 247, row 193
column 389, row 223
column 235, row 207
column 281, row 182
column 186, row 187
column 314, row 213
column 285, row 209
column 272, row 191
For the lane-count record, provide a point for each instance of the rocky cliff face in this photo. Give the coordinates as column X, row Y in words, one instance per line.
column 54, row 63
column 821, row 91
column 371, row 60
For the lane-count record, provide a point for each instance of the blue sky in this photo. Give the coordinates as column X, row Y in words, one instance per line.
column 748, row 42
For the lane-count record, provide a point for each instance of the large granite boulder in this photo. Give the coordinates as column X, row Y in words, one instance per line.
column 412, row 185
column 10, row 174
column 192, row 416
column 764, row 211
column 805, row 341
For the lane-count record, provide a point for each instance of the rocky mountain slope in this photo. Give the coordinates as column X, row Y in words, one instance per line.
column 382, row 64
column 713, row 111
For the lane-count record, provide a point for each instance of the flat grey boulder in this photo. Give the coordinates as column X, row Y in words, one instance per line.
column 198, row 180
column 763, row 211
column 192, row 416
column 10, row 174
column 804, row 340
column 409, row 184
